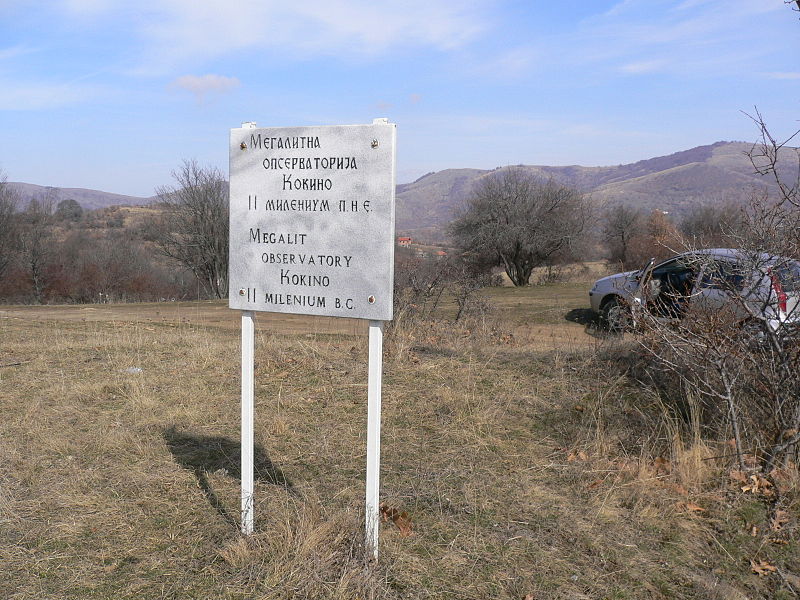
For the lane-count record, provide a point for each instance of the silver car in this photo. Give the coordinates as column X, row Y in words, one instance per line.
column 753, row 286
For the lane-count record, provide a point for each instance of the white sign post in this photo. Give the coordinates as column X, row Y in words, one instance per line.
column 312, row 232
column 374, row 380
column 248, row 414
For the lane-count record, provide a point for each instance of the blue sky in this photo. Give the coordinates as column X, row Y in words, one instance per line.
column 112, row 95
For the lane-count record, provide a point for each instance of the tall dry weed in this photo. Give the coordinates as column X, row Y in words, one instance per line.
column 302, row 551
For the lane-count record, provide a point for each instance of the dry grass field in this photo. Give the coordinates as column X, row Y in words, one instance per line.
column 530, row 463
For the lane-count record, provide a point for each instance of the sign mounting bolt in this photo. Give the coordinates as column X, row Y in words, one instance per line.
column 374, row 143
column 243, row 146
column 371, row 299
column 242, row 292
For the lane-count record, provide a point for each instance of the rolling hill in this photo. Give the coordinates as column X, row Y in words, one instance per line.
column 88, row 199
column 712, row 173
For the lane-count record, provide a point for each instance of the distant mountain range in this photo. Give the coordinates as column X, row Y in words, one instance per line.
column 88, row 199
column 713, row 173
column 706, row 174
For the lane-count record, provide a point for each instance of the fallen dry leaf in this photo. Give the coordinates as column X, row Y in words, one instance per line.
column 762, row 568
column 738, row 477
column 386, row 512
column 759, row 485
column 580, row 455
column 784, row 479
column 663, row 466
column 692, row 507
column 403, row 523
column 779, row 541
column 595, row 484
column 401, row 519
column 780, row 519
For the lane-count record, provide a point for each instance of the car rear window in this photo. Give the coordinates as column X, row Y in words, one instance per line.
column 789, row 276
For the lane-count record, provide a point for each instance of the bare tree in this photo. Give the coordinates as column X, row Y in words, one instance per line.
column 194, row 227
column 621, row 224
column 465, row 283
column 8, row 229
column 658, row 238
column 712, row 225
column 36, row 243
column 519, row 222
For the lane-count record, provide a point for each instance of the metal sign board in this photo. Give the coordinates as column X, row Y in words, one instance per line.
column 312, row 220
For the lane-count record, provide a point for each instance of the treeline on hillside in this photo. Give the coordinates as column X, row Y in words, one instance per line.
column 178, row 249
column 59, row 253
column 518, row 222
column 175, row 250
column 631, row 236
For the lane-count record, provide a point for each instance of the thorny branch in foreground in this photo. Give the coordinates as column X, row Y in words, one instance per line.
column 744, row 361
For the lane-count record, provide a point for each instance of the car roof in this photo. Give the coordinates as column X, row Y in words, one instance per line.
column 737, row 253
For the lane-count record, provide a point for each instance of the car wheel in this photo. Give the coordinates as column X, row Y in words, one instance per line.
column 616, row 315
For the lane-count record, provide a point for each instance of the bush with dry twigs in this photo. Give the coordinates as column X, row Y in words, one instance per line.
column 745, row 370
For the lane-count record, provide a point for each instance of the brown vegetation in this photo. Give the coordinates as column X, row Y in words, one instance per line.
column 526, row 465
column 57, row 255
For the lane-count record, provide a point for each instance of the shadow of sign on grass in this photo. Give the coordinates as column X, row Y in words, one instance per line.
column 204, row 454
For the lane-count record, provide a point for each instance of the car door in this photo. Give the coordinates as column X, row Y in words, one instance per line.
column 719, row 287
column 666, row 290
column 640, row 294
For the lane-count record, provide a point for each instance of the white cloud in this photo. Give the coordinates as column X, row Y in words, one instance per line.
column 695, row 36
column 200, row 85
column 488, row 123
column 88, row 7
column 743, row 7
column 177, row 32
column 38, row 96
column 14, row 51
column 513, row 63
column 644, row 66
column 621, row 7
column 508, row 64
column 783, row 75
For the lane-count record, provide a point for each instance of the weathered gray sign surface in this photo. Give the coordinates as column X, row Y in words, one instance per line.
column 312, row 220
